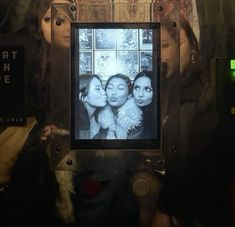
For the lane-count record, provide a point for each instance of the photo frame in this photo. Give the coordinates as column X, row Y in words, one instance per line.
column 146, row 39
column 114, row 48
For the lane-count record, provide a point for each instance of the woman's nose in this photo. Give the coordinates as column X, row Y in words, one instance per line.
column 141, row 93
column 114, row 92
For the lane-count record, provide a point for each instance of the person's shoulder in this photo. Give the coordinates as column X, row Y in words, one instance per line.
column 207, row 99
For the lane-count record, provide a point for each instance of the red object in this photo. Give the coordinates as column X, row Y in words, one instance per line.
column 91, row 187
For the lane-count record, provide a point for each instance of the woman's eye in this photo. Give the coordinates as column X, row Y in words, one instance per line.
column 137, row 88
column 148, row 89
column 109, row 87
column 121, row 87
column 60, row 20
column 47, row 19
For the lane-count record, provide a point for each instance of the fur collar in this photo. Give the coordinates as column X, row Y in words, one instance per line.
column 106, row 121
column 129, row 117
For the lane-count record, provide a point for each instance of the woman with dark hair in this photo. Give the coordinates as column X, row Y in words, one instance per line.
column 127, row 115
column 186, row 189
column 40, row 27
column 193, row 79
column 92, row 118
column 144, row 95
column 29, row 173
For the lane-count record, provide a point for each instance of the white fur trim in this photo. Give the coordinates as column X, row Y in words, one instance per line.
column 129, row 118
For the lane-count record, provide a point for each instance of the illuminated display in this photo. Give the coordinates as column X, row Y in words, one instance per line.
column 232, row 64
column 232, row 68
column 115, row 54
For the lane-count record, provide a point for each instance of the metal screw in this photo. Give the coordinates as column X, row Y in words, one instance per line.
column 73, row 8
column 57, row 148
column 160, row 8
column 69, row 162
column 174, row 24
column 173, row 148
column 160, row 162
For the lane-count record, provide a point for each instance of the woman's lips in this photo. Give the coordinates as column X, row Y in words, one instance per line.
column 140, row 101
column 113, row 99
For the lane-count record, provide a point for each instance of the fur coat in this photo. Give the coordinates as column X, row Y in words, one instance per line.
column 129, row 117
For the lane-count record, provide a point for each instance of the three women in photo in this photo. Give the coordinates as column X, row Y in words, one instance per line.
column 121, row 110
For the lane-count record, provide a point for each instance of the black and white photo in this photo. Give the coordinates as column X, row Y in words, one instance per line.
column 116, row 85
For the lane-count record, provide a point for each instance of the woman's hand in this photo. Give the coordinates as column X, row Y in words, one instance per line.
column 52, row 130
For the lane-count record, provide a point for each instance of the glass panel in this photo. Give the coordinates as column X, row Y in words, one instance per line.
column 101, row 51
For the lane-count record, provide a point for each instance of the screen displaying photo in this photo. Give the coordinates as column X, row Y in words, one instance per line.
column 115, row 83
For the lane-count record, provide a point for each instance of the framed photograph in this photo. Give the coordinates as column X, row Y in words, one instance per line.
column 105, row 39
column 85, row 62
column 128, row 63
column 127, row 39
column 85, row 39
column 107, row 112
column 146, row 39
column 146, row 60
column 104, row 63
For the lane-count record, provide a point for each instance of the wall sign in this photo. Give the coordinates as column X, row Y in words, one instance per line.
column 12, row 85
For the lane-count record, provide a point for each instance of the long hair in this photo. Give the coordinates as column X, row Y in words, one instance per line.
column 195, row 66
column 149, row 111
column 83, row 85
column 145, row 73
column 38, row 9
column 42, row 71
